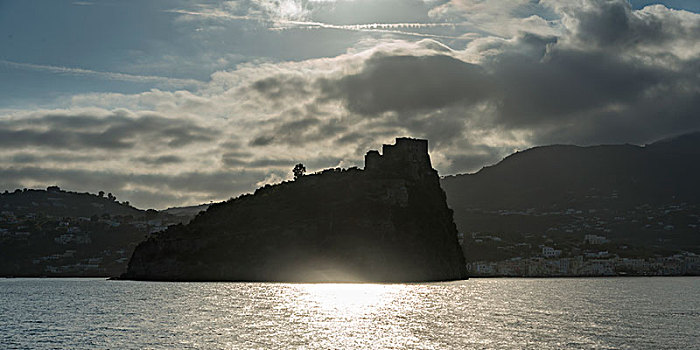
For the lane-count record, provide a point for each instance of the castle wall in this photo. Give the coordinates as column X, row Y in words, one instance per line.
column 373, row 160
column 406, row 153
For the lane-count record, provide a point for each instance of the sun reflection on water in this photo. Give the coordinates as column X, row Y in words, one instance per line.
column 351, row 316
column 346, row 299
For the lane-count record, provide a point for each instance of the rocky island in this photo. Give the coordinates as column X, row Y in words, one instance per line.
column 387, row 223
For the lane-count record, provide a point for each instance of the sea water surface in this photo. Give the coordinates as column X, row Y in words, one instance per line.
column 587, row 313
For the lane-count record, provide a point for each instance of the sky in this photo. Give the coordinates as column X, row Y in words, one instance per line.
column 179, row 102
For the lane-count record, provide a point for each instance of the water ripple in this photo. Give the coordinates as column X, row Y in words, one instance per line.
column 610, row 313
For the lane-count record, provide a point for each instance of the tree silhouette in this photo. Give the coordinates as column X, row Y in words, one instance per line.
column 298, row 171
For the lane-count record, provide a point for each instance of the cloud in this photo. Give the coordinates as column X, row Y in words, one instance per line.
column 402, row 29
column 24, row 157
column 148, row 190
column 262, row 140
column 409, row 84
column 554, row 88
column 500, row 18
column 581, row 72
column 114, row 130
column 234, row 161
column 160, row 160
column 614, row 26
column 291, row 14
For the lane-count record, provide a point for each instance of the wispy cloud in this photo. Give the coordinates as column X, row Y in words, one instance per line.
column 167, row 81
column 389, row 28
column 215, row 13
column 284, row 24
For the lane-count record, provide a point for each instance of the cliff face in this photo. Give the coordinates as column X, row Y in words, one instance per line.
column 389, row 223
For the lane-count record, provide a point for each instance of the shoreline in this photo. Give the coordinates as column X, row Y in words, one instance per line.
column 109, row 278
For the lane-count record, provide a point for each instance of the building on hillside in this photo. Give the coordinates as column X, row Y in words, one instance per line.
column 549, row 252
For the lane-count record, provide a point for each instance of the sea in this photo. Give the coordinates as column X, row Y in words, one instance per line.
column 496, row 313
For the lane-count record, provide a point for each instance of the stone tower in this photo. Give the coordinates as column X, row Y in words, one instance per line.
column 408, row 157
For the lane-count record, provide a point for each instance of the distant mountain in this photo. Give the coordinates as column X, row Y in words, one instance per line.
column 562, row 176
column 645, row 199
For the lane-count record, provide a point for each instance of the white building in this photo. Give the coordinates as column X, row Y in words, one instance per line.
column 549, row 252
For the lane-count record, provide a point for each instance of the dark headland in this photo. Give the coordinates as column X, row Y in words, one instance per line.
column 387, row 223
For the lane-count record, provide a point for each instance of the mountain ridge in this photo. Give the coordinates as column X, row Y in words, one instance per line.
column 654, row 172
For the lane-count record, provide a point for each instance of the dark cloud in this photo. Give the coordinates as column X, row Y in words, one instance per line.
column 579, row 96
column 235, row 160
column 160, row 160
column 409, row 84
column 114, row 131
column 539, row 85
column 300, row 132
column 66, row 139
column 29, row 158
column 241, row 154
column 568, row 83
column 351, row 138
column 281, row 86
column 646, row 120
column 613, row 75
column 25, row 158
column 412, row 86
column 298, row 125
column 609, row 23
column 262, row 140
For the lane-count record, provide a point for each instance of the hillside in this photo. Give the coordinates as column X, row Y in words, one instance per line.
column 386, row 223
column 61, row 233
column 56, row 202
column 561, row 176
column 643, row 198
column 188, row 212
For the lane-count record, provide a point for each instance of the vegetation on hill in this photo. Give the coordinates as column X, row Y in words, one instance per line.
column 644, row 199
column 61, row 233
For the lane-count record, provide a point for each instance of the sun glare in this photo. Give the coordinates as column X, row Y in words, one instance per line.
column 346, row 298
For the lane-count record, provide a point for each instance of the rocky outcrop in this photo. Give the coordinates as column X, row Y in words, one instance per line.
column 389, row 223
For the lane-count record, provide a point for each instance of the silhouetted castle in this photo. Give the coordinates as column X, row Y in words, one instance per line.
column 408, row 158
column 387, row 223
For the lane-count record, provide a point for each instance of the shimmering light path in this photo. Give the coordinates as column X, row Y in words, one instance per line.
column 624, row 313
